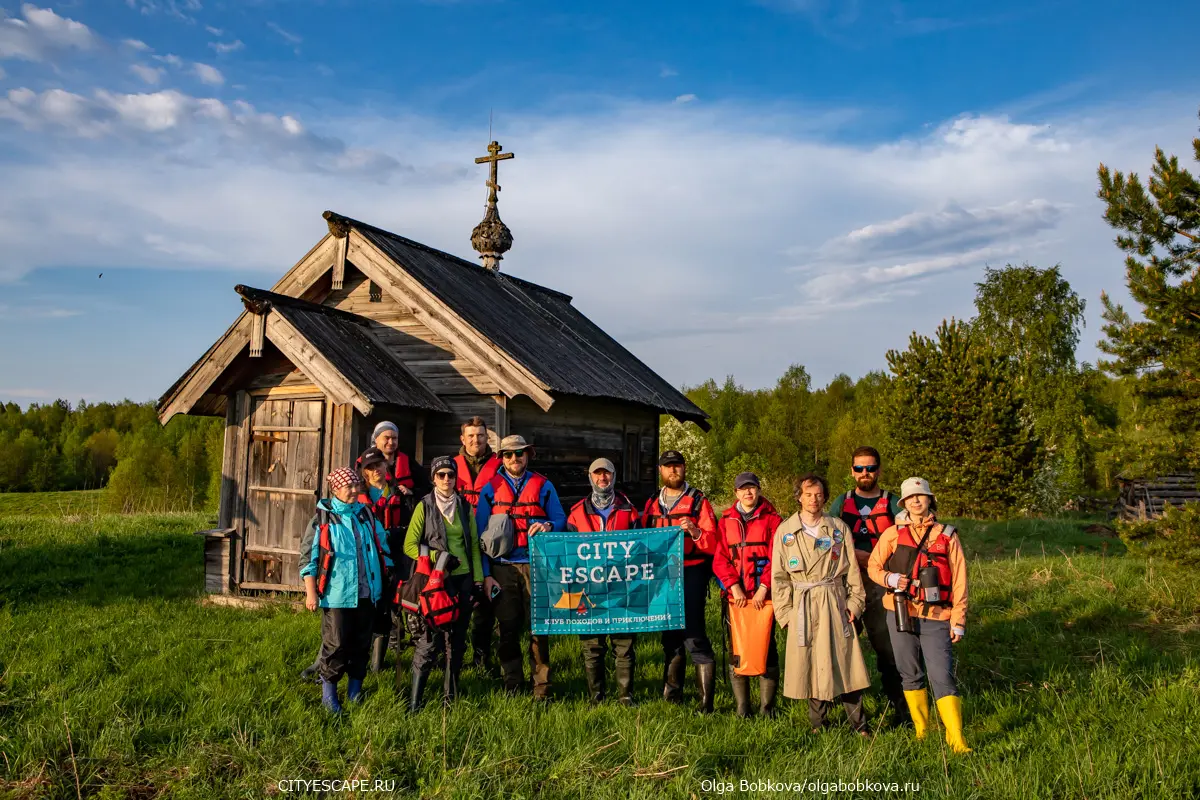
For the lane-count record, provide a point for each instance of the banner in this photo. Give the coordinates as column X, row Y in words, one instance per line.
column 599, row 583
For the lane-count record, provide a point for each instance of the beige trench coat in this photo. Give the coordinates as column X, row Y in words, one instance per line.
column 830, row 663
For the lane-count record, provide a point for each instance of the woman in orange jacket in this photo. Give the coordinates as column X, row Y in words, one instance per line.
column 922, row 562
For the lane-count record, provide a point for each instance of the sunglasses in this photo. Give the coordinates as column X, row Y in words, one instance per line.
column 872, row 468
column 444, row 475
column 514, row 454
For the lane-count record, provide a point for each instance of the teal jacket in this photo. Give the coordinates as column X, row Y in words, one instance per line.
column 342, row 588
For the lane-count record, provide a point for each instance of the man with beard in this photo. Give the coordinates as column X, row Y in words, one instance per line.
column 477, row 465
column 868, row 511
column 678, row 504
column 606, row 509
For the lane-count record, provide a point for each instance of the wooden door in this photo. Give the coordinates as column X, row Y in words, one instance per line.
column 283, row 480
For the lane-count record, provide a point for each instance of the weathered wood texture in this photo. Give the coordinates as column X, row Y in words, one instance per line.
column 430, row 357
column 578, row 430
column 1146, row 498
column 283, row 481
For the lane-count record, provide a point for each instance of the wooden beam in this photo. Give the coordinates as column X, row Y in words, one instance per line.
column 297, row 391
column 339, row 264
column 502, row 368
column 288, row 428
column 258, row 325
column 307, row 270
column 298, row 350
column 205, row 373
column 283, row 490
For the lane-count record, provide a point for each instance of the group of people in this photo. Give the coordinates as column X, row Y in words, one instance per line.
column 378, row 523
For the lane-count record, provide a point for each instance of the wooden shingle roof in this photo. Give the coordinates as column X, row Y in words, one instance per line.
column 536, row 326
column 346, row 342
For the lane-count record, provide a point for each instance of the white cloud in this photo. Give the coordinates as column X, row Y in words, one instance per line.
column 150, row 75
column 214, row 31
column 135, row 44
column 222, row 48
column 208, row 74
column 41, row 35
column 170, row 59
column 776, row 242
column 288, row 36
column 685, row 98
column 667, row 72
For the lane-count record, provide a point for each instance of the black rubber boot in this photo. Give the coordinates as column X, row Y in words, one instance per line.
column 624, row 675
column 416, row 697
column 740, row 685
column 378, row 648
column 673, row 672
column 593, row 670
column 768, row 685
column 706, row 680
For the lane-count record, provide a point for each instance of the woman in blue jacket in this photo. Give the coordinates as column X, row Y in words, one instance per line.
column 343, row 560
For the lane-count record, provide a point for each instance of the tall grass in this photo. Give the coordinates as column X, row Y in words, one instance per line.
column 1079, row 674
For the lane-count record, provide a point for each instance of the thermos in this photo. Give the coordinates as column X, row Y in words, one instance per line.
column 931, row 592
column 903, row 619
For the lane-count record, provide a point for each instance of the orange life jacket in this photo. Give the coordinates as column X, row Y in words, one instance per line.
column 400, row 474
column 470, row 489
column 585, row 519
column 525, row 508
column 868, row 529
column 910, row 557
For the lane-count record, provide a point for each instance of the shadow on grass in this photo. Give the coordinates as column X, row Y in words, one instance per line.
column 165, row 562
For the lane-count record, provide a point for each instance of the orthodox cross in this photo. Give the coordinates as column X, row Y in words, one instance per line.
column 495, row 157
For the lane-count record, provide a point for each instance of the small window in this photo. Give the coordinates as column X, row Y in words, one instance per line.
column 633, row 457
column 375, row 293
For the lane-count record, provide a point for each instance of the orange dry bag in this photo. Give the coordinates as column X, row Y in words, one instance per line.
column 751, row 630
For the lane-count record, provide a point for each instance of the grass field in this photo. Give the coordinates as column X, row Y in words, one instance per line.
column 1079, row 672
column 50, row 504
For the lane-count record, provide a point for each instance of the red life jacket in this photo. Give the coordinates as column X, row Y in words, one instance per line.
column 325, row 545
column 390, row 510
column 523, row 509
column 749, row 544
column 872, row 526
column 470, row 489
column 910, row 557
column 584, row 518
column 690, row 506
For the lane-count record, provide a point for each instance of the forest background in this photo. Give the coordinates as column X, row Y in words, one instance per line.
column 994, row 410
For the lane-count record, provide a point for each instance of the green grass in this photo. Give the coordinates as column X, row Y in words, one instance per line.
column 51, row 504
column 1079, row 673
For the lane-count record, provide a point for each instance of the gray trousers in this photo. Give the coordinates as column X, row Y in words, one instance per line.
column 924, row 652
column 875, row 621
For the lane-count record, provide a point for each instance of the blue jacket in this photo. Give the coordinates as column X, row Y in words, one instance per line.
column 549, row 500
column 342, row 588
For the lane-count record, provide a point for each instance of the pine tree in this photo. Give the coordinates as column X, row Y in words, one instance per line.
column 1159, row 229
column 955, row 417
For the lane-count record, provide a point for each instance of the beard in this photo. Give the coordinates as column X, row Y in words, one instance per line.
column 866, row 482
column 675, row 483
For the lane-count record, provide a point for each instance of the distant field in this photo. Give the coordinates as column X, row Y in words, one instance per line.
column 51, row 504
column 1080, row 673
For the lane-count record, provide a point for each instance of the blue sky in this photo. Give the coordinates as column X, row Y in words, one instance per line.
column 726, row 187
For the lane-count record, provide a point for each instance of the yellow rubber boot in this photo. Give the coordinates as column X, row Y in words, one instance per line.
column 918, row 709
column 950, row 710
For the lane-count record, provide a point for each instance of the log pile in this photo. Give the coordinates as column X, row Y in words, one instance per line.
column 1144, row 498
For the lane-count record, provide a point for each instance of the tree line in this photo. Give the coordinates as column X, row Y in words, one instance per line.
column 994, row 410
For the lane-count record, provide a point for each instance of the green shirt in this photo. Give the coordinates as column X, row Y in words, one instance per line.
column 467, row 562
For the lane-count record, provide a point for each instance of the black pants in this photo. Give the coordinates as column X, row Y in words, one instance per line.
column 853, row 701
column 875, row 621
column 452, row 642
column 483, row 622
column 595, row 648
column 694, row 637
column 346, row 641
